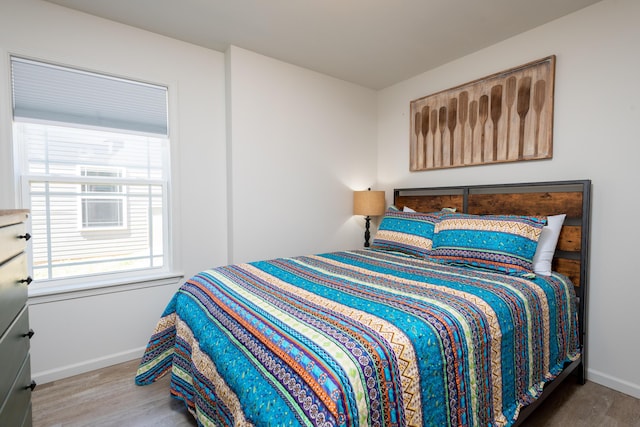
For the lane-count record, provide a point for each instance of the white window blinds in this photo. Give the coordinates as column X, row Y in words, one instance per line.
column 63, row 95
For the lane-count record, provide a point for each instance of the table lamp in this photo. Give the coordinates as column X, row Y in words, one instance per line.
column 368, row 203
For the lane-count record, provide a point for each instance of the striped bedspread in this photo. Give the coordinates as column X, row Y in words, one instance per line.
column 361, row 338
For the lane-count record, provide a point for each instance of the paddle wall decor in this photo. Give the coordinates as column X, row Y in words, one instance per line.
column 504, row 117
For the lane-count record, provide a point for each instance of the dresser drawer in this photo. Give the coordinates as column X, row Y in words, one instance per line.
column 12, row 244
column 13, row 294
column 16, row 407
column 14, row 346
column 28, row 419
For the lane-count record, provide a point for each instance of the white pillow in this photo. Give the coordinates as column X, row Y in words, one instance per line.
column 547, row 245
column 406, row 209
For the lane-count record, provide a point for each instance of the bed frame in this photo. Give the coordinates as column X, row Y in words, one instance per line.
column 571, row 258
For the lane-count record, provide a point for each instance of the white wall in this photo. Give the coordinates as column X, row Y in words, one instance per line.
column 597, row 114
column 301, row 142
column 76, row 332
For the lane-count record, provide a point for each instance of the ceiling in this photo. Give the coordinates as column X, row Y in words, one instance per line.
column 373, row 43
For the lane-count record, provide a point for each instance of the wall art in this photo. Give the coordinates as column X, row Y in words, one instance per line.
column 504, row 117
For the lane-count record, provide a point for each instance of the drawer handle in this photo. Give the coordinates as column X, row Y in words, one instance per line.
column 25, row 236
column 29, row 334
column 32, row 386
column 28, row 280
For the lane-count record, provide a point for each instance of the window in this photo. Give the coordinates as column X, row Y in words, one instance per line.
column 92, row 158
column 101, row 206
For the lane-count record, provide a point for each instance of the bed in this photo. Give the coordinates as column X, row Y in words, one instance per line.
column 438, row 323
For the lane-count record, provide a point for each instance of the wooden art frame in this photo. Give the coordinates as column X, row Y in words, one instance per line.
column 504, row 117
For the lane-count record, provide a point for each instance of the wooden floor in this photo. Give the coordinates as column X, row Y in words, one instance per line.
column 109, row 397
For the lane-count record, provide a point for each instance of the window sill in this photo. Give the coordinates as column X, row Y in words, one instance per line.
column 47, row 294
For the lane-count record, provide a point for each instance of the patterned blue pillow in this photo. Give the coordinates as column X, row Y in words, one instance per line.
column 407, row 232
column 505, row 243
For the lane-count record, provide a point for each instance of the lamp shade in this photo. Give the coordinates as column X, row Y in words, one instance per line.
column 368, row 203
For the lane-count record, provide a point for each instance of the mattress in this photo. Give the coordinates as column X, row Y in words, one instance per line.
column 364, row 337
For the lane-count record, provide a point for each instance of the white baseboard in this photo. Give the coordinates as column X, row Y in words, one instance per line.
column 87, row 366
column 614, row 383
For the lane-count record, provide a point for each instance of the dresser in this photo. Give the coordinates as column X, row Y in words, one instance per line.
column 15, row 370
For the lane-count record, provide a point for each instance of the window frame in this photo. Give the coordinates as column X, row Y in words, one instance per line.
column 22, row 181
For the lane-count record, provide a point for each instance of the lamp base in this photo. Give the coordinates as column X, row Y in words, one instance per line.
column 367, row 234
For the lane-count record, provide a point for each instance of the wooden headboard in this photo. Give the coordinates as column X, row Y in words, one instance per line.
column 540, row 199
